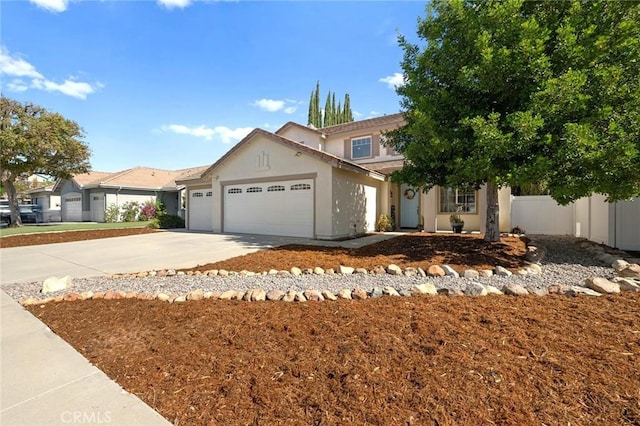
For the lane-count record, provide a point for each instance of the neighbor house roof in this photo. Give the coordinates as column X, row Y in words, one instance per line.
column 298, row 125
column 383, row 121
column 48, row 188
column 321, row 155
column 135, row 178
column 385, row 167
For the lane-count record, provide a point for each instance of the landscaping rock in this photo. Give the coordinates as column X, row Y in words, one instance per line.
column 318, row 270
column 258, row 295
column 344, row 294
column 295, row 271
column 512, row 289
column 195, row 295
column 602, row 285
column 378, row 270
column 376, row 292
column 405, row 292
column 630, row 271
column 521, row 272
column 227, row 295
column 435, row 271
column 358, row 294
column 575, row 290
column 394, row 270
column 346, row 270
column 390, row 291
column 330, row 271
column 470, row 273
column 300, row 297
column 223, row 273
column 626, row 284
column 328, row 295
column 493, row 290
column 53, row 284
column 421, row 272
column 275, row 294
column 503, row 272
column 86, row 295
column 450, row 291
column 450, row 271
column 425, row 288
column 163, row 297
column 180, row 299
column 273, row 272
column 289, row 296
column 475, row 289
column 534, row 269
column 619, row 264
column 540, row 292
column 485, row 273
column 307, row 271
column 313, row 295
column 361, row 271
column 410, row 271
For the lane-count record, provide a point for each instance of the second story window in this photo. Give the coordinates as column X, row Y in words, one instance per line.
column 361, row 147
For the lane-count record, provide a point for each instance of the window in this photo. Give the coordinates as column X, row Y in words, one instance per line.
column 361, row 147
column 234, row 191
column 275, row 188
column 254, row 189
column 461, row 200
column 196, row 195
column 300, row 187
column 209, row 194
column 72, row 199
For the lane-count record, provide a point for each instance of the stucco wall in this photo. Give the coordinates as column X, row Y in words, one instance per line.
column 308, row 137
column 261, row 159
column 355, row 203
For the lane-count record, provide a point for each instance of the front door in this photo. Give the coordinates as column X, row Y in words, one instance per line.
column 409, row 205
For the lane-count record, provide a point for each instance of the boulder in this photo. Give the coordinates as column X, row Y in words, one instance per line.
column 602, row 285
column 493, row 290
column 295, row 271
column 485, row 273
column 619, row 264
column 540, row 291
column 275, row 294
column 410, row 271
column 53, row 284
column 328, row 295
column 313, row 295
column 378, row 270
column 346, row 270
column 195, row 295
column 318, row 270
column 470, row 273
column 344, row 294
column 421, row 272
column 534, row 269
column 450, row 271
column 394, row 270
column 163, row 297
column 626, row 284
column 630, row 271
column 227, row 295
column 405, row 292
column 501, row 271
column 475, row 289
column 258, row 295
column 436, row 271
column 513, row 289
column 576, row 290
column 362, row 271
column 450, row 291
column 425, row 288
column 376, row 292
column 300, row 297
column 289, row 296
column 390, row 291
column 358, row 294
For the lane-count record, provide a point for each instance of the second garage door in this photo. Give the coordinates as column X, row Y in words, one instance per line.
column 200, row 210
column 272, row 208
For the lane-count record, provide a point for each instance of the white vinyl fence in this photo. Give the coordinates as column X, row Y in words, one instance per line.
column 540, row 214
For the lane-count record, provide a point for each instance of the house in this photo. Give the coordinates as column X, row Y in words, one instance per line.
column 327, row 183
column 87, row 196
column 48, row 200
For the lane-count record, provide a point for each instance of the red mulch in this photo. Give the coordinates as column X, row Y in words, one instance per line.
column 68, row 236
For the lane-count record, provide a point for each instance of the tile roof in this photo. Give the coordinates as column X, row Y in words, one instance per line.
column 385, row 167
column 136, row 178
column 384, row 120
column 294, row 124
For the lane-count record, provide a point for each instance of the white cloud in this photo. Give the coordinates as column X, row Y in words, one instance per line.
column 14, row 66
column 223, row 133
column 357, row 114
column 52, row 5
column 17, row 85
column 393, row 81
column 270, row 105
column 172, row 4
column 290, row 110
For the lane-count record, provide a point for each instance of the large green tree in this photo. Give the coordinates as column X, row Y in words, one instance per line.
column 36, row 141
column 514, row 92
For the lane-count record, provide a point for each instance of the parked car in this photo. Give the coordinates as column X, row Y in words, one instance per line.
column 29, row 213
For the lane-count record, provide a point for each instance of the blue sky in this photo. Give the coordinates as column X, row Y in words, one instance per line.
column 175, row 83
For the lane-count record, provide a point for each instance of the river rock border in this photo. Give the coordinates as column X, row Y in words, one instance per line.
column 627, row 279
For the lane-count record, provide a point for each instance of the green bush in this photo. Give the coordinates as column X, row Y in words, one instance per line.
column 167, row 221
column 112, row 213
column 130, row 211
column 384, row 223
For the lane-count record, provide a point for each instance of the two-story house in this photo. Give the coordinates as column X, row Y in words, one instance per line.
column 326, row 183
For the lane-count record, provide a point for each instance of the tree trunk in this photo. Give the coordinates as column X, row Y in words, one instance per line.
column 9, row 186
column 492, row 231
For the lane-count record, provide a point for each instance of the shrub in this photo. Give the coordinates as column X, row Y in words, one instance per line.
column 167, row 221
column 112, row 213
column 148, row 210
column 130, row 211
column 384, row 223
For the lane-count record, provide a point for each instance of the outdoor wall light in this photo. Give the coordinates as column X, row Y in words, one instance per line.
column 298, row 154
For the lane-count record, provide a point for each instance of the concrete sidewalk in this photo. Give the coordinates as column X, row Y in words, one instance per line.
column 46, row 382
column 43, row 380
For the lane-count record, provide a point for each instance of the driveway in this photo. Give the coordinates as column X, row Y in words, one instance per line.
column 159, row 250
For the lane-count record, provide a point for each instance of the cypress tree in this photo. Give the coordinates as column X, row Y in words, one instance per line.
column 327, row 111
column 348, row 115
column 333, row 114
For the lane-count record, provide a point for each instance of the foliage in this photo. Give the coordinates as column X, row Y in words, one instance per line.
column 515, row 92
column 333, row 114
column 160, row 209
column 130, row 211
column 148, row 210
column 456, row 218
column 112, row 213
column 384, row 223
column 36, row 141
column 167, row 221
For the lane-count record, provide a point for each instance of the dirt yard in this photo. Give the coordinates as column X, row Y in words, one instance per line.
column 68, row 236
column 390, row 361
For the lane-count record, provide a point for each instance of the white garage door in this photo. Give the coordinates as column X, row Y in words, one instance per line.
column 72, row 208
column 97, row 207
column 201, row 209
column 270, row 208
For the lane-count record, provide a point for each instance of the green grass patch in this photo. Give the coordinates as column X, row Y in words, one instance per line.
column 52, row 227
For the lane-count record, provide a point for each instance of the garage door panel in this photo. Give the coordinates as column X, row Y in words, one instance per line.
column 72, row 208
column 200, row 209
column 270, row 208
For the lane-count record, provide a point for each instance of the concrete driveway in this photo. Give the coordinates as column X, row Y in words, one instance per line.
column 159, row 250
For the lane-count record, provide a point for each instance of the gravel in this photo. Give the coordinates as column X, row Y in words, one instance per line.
column 565, row 263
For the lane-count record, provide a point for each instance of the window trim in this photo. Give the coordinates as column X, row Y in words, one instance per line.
column 441, row 189
column 370, row 138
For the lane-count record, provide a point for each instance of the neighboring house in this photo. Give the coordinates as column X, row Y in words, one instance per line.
column 327, row 183
column 86, row 197
column 49, row 202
